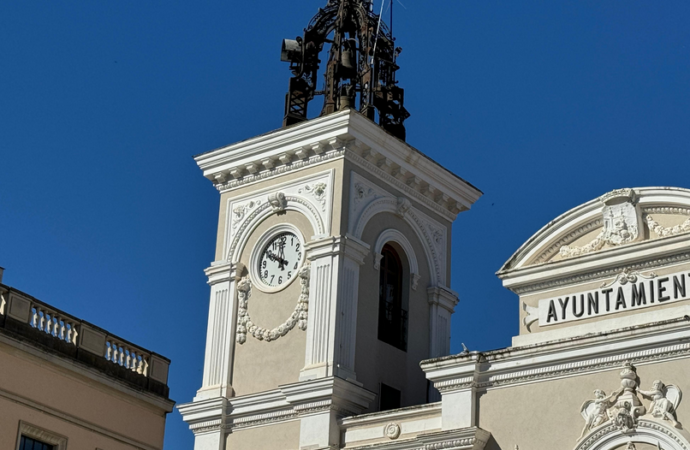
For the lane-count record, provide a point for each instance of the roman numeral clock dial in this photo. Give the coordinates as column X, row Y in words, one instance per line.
column 280, row 260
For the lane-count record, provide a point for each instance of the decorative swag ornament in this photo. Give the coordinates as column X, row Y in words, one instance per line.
column 299, row 316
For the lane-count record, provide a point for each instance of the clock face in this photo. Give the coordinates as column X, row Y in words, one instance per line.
column 280, row 260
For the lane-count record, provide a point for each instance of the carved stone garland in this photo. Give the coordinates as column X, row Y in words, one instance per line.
column 299, row 316
column 664, row 231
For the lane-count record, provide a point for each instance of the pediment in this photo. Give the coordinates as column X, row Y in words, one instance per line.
column 619, row 219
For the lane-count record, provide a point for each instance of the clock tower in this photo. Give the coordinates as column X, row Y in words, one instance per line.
column 332, row 267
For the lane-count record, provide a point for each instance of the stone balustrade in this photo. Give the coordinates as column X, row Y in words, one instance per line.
column 32, row 320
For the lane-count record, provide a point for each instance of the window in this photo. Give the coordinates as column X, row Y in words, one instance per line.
column 389, row 398
column 32, row 444
column 392, row 313
column 32, row 437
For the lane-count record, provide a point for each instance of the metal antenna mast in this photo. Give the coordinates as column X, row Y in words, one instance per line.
column 361, row 66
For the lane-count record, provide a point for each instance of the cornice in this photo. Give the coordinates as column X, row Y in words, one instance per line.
column 341, row 135
column 472, row 438
column 563, row 358
column 645, row 255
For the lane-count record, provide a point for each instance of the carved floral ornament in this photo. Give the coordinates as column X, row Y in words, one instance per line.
column 623, row 223
column 299, row 317
column 623, row 410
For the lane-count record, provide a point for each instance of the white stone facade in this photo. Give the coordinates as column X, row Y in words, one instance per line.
column 601, row 361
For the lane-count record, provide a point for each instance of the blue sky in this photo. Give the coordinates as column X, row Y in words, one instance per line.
column 541, row 104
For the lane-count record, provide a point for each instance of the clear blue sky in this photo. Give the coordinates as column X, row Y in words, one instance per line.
column 541, row 104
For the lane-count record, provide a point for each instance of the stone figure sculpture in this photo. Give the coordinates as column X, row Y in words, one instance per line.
column 595, row 412
column 623, row 407
column 665, row 400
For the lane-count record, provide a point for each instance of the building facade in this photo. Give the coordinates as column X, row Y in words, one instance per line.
column 357, row 223
column 331, row 282
column 68, row 384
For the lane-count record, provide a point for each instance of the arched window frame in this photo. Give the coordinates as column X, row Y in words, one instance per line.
column 393, row 235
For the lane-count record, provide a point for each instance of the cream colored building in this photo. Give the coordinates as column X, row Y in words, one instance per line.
column 331, row 284
column 66, row 384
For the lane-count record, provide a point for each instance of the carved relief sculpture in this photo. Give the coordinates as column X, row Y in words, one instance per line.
column 278, row 201
column 318, row 190
column 623, row 407
column 595, row 412
column 362, row 192
column 663, row 231
column 403, row 206
column 665, row 400
column 622, row 223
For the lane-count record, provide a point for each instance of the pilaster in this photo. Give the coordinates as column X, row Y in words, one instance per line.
column 457, row 383
column 442, row 302
column 220, row 337
column 320, row 404
column 334, row 284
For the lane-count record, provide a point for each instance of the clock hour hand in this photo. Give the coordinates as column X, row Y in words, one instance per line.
column 281, row 261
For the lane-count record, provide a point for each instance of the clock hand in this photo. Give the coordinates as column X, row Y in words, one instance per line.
column 273, row 257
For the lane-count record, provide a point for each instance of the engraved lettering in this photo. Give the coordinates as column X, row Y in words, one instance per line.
column 607, row 293
column 661, row 289
column 679, row 287
column 552, row 313
column 620, row 299
column 563, row 306
column 592, row 304
column 639, row 296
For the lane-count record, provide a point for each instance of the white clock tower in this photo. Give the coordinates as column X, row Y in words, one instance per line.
column 331, row 276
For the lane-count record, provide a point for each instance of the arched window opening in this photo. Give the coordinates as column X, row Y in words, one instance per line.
column 393, row 315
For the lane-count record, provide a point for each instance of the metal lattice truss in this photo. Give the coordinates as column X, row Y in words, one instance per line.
column 361, row 66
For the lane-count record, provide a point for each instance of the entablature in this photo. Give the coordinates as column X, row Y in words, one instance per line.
column 340, row 135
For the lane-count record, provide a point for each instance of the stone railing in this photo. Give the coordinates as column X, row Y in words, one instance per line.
column 62, row 333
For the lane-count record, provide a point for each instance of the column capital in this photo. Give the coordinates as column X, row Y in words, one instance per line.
column 221, row 271
column 348, row 246
column 444, row 297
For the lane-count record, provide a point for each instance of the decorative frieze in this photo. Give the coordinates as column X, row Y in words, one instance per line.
column 664, row 231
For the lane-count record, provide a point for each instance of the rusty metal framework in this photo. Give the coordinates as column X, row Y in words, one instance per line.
column 361, row 66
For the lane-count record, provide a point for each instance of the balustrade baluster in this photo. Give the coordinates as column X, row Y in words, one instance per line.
column 49, row 324
column 42, row 321
column 34, row 318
